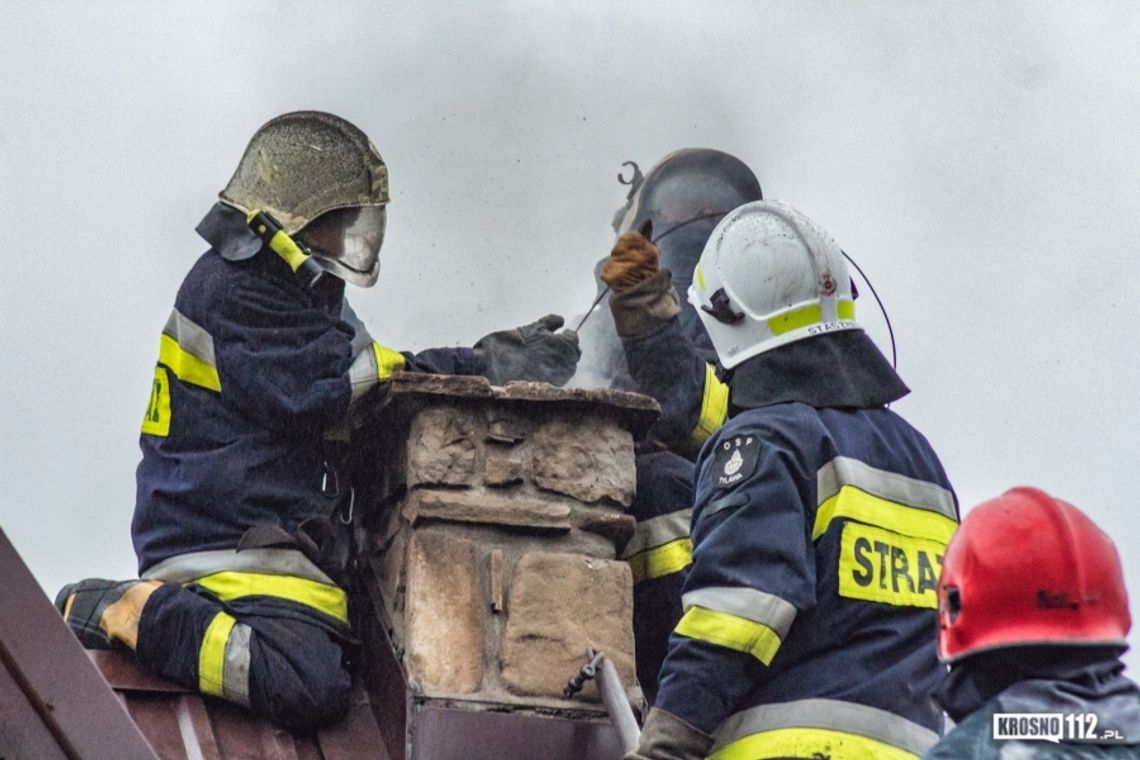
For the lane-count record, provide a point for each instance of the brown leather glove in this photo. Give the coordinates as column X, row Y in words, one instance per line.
column 646, row 305
column 667, row 737
column 633, row 258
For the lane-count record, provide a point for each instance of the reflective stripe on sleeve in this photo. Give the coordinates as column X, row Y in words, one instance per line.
column 188, row 350
column 235, row 672
column 827, row 726
column 387, row 361
column 373, row 366
column 660, row 546
column 362, row 373
column 660, row 561
column 212, row 655
column 749, row 603
column 810, row 742
column 729, row 631
column 714, row 408
column 658, row 531
column 228, row 585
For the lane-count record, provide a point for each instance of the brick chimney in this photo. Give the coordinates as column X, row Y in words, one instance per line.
column 492, row 518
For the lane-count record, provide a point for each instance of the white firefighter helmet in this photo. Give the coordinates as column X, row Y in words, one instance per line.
column 769, row 276
column 313, row 168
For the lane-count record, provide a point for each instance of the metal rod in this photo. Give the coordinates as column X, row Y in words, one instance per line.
column 593, row 306
column 617, row 705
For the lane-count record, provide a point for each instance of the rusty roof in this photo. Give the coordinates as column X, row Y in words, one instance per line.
column 58, row 701
column 181, row 724
column 53, row 703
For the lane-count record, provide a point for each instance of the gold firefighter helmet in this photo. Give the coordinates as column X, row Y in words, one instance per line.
column 303, row 164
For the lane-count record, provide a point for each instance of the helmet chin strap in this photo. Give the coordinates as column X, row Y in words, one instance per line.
column 296, row 255
column 890, row 330
column 685, row 223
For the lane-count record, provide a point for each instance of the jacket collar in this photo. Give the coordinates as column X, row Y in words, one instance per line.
column 225, row 229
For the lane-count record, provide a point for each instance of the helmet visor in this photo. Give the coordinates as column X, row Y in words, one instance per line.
column 346, row 242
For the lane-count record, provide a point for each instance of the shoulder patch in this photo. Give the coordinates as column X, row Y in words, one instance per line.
column 735, row 459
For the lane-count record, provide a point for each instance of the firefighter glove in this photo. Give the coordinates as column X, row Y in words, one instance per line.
column 633, row 258
column 534, row 352
column 648, row 304
column 667, row 737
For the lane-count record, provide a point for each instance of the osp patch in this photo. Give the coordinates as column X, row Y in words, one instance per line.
column 735, row 459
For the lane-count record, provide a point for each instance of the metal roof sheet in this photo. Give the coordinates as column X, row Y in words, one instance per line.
column 53, row 704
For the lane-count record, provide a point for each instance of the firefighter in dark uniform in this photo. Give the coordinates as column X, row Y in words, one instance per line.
column 1038, row 630
column 636, row 344
column 242, row 503
column 819, row 522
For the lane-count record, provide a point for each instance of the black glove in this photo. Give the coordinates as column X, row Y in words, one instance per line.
column 533, row 352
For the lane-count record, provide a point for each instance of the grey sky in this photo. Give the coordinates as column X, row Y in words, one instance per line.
column 979, row 160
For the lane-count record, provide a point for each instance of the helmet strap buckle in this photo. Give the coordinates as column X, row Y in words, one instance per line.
column 721, row 308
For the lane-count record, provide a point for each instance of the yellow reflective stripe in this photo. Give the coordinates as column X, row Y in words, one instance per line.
column 810, row 742
column 804, row 316
column 387, row 361
column 839, row 719
column 658, row 531
column 856, row 504
column 156, row 421
column 795, row 319
column 892, row 486
column 667, row 559
column 188, row 367
column 748, row 603
column 730, row 631
column 322, row 597
column 714, row 408
column 699, row 276
column 212, row 655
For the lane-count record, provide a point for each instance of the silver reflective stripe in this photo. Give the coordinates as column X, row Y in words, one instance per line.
column 192, row 338
column 658, row 531
column 186, row 568
column 830, row 714
column 757, row 606
column 235, row 672
column 361, row 338
column 363, row 373
column 911, row 492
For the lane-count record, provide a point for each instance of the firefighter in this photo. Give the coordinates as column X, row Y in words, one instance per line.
column 644, row 342
column 1038, row 630
column 242, row 498
column 819, row 521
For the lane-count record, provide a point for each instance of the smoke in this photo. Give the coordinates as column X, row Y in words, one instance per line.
column 966, row 154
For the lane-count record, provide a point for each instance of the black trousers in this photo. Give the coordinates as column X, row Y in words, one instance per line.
column 282, row 659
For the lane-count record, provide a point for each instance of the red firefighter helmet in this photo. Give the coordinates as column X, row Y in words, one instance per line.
column 1026, row 568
